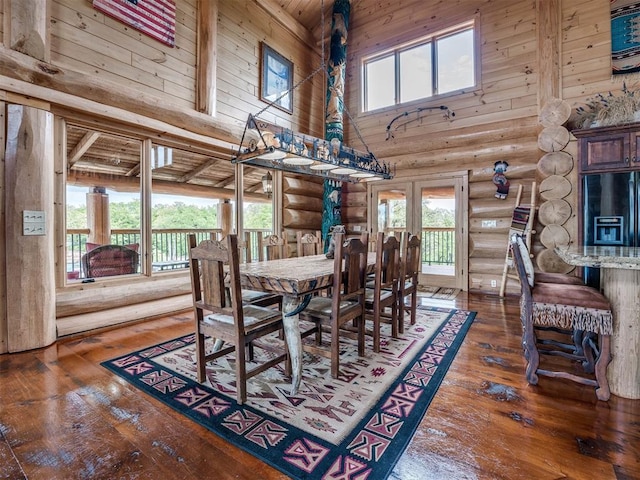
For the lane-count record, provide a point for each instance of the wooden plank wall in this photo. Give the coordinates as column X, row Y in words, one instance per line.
column 85, row 40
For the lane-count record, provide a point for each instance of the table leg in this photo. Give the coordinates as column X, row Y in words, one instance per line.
column 621, row 287
column 293, row 338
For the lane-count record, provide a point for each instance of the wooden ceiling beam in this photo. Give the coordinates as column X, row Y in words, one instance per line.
column 197, row 171
column 81, row 147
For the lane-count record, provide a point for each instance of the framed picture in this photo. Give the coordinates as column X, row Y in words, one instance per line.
column 276, row 79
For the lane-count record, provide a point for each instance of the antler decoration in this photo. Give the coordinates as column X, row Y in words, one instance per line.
column 447, row 114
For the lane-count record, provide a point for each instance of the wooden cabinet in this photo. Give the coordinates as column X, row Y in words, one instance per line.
column 609, row 149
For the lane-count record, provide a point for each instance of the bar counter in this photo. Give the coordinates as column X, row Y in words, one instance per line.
column 620, row 281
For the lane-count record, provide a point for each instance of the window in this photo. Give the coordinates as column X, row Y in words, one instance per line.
column 116, row 225
column 436, row 65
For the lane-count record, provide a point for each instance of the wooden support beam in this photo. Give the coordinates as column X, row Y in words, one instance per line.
column 81, row 147
column 549, row 71
column 207, row 56
column 132, row 184
column 22, row 74
column 197, row 171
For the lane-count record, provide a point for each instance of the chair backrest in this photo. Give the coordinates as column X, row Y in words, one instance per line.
column 309, row 243
column 273, row 247
column 410, row 258
column 387, row 270
column 349, row 270
column 109, row 260
column 210, row 279
column 518, row 254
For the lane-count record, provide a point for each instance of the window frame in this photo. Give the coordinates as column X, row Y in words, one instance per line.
column 431, row 39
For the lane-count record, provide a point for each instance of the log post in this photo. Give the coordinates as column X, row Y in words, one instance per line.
column 29, row 161
column 98, row 217
column 31, row 320
column 225, row 214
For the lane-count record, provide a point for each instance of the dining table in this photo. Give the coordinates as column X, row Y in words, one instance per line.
column 296, row 279
column 620, row 281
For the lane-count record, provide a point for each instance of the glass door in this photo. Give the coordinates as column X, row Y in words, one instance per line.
column 438, row 216
column 434, row 208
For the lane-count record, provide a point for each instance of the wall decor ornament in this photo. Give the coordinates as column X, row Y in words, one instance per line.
column 276, row 79
column 155, row 18
column 500, row 179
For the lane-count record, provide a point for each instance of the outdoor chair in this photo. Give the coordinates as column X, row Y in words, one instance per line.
column 110, row 260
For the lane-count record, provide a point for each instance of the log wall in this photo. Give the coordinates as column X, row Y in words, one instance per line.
column 499, row 120
column 302, row 207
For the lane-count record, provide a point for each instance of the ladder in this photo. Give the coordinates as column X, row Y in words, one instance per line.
column 522, row 224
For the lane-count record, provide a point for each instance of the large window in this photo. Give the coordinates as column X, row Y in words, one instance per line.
column 131, row 201
column 435, row 65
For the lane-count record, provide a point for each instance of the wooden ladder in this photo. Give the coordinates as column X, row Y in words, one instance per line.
column 522, row 224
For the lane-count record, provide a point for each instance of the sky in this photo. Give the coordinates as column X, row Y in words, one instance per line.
column 76, row 196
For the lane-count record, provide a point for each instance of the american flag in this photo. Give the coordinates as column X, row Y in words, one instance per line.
column 156, row 18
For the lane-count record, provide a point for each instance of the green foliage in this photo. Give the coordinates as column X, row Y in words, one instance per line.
column 258, row 215
column 180, row 215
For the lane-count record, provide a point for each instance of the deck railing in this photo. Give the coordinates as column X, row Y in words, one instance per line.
column 438, row 245
column 169, row 247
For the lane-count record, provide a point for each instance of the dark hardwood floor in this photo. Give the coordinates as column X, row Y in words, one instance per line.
column 63, row 416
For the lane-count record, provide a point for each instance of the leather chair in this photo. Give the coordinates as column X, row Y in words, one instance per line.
column 110, row 260
column 563, row 308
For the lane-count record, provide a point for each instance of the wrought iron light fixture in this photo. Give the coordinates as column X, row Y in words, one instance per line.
column 267, row 184
column 270, row 146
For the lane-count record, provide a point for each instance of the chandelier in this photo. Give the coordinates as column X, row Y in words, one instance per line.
column 267, row 145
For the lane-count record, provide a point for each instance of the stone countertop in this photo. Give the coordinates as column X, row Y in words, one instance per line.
column 601, row 256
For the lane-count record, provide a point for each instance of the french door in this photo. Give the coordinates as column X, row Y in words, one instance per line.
column 434, row 207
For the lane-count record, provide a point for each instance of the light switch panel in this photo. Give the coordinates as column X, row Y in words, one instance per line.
column 33, row 222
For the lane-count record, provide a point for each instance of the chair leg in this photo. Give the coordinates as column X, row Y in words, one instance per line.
column 376, row 328
column 335, row 350
column 604, row 358
column 394, row 320
column 531, row 355
column 200, row 361
column 361, row 335
column 241, row 375
column 401, row 312
column 414, row 305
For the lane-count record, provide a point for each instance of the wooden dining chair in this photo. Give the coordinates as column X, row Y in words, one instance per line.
column 346, row 302
column 408, row 284
column 221, row 314
column 309, row 243
column 382, row 293
column 273, row 247
column 563, row 309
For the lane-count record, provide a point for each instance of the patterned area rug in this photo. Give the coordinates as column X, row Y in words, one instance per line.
column 440, row 293
column 354, row 427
